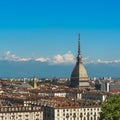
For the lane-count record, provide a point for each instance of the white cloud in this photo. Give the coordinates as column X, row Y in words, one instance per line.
column 117, row 61
column 67, row 58
column 99, row 61
column 41, row 59
column 12, row 57
column 104, row 61
column 86, row 60
column 24, row 59
column 108, row 61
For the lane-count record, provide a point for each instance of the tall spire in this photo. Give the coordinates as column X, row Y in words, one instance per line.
column 79, row 57
column 79, row 77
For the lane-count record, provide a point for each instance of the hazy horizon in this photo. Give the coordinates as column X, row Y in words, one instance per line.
column 11, row 69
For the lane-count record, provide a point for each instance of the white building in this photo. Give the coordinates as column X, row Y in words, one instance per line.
column 94, row 95
column 21, row 113
column 53, row 93
column 72, row 111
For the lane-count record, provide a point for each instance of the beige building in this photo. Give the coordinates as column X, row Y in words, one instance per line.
column 79, row 76
column 72, row 111
column 21, row 113
column 95, row 95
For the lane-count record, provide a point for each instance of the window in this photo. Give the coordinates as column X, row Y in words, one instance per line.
column 81, row 115
column 20, row 115
column 26, row 115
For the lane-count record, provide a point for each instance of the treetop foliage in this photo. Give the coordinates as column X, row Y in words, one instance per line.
column 111, row 108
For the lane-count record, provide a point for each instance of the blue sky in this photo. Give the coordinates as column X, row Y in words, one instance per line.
column 48, row 30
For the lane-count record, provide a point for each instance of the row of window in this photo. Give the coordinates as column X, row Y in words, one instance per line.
column 85, row 118
column 98, row 109
column 19, row 109
column 86, row 113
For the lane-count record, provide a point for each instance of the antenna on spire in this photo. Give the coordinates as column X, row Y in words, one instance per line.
column 78, row 44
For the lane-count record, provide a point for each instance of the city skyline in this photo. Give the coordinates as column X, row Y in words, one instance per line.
column 47, row 31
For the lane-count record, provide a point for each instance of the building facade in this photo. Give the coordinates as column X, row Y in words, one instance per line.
column 72, row 112
column 21, row 113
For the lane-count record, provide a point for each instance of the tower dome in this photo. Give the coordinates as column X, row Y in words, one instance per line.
column 79, row 76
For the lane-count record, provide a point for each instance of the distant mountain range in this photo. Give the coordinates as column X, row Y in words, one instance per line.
column 44, row 69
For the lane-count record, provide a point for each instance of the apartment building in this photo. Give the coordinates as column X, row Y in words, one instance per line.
column 75, row 110
column 21, row 113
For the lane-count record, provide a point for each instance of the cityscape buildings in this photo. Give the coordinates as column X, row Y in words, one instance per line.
column 78, row 101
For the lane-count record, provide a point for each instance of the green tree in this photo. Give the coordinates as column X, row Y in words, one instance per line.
column 111, row 108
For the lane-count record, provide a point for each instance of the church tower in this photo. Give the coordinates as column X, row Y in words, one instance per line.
column 79, row 76
column 35, row 82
